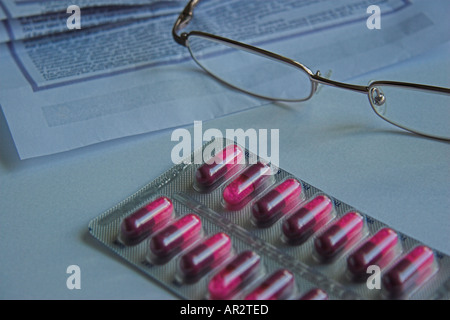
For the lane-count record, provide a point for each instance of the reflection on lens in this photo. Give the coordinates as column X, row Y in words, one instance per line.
column 421, row 111
column 250, row 72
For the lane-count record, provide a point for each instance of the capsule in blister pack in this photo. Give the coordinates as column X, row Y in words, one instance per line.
column 231, row 278
column 379, row 250
column 278, row 286
column 217, row 169
column 174, row 238
column 140, row 224
column 307, row 219
column 278, row 201
column 314, row 294
column 340, row 236
column 203, row 257
column 245, row 186
column 409, row 273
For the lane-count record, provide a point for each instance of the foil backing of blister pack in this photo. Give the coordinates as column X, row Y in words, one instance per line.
column 178, row 184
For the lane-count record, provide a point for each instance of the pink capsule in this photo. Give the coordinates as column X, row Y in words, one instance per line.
column 235, row 273
column 277, row 201
column 279, row 285
column 218, row 167
column 308, row 219
column 315, row 294
column 176, row 236
column 340, row 235
column 375, row 251
column 139, row 225
column 205, row 256
column 243, row 186
column 410, row 272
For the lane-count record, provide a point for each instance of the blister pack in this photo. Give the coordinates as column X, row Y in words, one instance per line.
column 233, row 226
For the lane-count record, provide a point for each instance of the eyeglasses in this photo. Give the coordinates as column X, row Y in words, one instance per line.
column 418, row 108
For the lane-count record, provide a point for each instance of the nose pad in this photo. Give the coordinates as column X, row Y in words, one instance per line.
column 378, row 99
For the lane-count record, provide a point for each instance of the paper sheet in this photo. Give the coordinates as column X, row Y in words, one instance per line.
column 25, row 8
column 77, row 88
column 52, row 23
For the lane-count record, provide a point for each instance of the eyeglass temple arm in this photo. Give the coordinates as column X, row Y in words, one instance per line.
column 365, row 89
column 183, row 20
column 353, row 87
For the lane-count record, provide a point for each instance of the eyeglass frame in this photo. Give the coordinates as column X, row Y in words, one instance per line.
column 316, row 78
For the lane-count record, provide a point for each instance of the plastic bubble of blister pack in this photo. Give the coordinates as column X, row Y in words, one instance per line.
column 236, row 227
